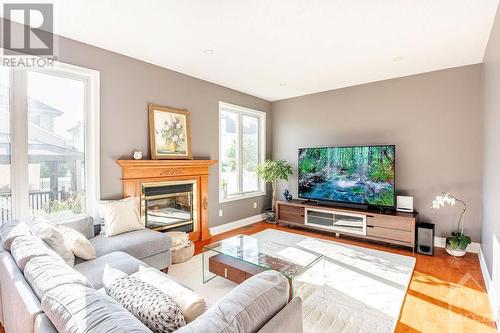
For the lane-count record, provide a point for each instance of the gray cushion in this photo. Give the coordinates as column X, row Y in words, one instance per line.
column 25, row 248
column 12, row 229
column 46, row 273
column 246, row 308
column 139, row 244
column 76, row 309
column 159, row 261
column 93, row 270
column 288, row 320
column 82, row 224
column 150, row 305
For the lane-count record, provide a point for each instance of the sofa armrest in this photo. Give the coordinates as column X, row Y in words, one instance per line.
column 288, row 320
column 19, row 303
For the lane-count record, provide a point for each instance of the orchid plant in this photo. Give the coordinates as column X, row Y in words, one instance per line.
column 457, row 241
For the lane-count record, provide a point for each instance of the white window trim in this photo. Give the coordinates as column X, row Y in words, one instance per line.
column 262, row 147
column 19, row 146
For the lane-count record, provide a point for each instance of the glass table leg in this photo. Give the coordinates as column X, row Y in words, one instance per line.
column 207, row 275
column 314, row 274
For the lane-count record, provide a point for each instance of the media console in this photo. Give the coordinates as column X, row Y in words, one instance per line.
column 394, row 228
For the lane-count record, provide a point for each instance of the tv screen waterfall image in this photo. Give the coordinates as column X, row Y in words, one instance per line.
column 359, row 175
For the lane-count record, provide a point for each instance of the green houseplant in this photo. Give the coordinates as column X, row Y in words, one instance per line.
column 272, row 171
column 223, row 189
column 456, row 244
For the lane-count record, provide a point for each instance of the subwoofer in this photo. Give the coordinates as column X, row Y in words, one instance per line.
column 425, row 238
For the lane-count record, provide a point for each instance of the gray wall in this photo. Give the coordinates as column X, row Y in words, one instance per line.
column 127, row 86
column 491, row 178
column 434, row 119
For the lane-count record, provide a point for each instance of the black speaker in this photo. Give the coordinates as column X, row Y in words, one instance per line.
column 425, row 238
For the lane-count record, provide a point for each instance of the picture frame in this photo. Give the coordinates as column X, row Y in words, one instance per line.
column 169, row 133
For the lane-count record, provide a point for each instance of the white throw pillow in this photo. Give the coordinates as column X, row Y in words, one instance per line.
column 55, row 240
column 10, row 230
column 191, row 304
column 109, row 276
column 120, row 216
column 151, row 306
column 78, row 243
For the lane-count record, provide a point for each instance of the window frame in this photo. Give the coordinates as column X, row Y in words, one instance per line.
column 19, row 135
column 261, row 116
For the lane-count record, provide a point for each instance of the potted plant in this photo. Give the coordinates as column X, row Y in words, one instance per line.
column 223, row 189
column 456, row 244
column 271, row 171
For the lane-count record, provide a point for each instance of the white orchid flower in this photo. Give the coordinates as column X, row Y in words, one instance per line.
column 447, row 198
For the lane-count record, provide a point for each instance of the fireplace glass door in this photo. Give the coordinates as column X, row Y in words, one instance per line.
column 165, row 207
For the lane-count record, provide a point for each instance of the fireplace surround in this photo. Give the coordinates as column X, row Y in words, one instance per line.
column 173, row 193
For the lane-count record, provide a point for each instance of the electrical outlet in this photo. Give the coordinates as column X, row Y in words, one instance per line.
column 220, row 212
column 254, row 205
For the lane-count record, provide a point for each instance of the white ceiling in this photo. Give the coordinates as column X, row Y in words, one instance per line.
column 277, row 49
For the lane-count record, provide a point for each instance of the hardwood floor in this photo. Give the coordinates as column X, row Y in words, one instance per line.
column 445, row 294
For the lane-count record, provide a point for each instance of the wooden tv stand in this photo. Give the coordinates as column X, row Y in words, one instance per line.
column 394, row 228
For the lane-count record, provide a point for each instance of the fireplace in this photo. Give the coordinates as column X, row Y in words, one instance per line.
column 161, row 186
column 169, row 206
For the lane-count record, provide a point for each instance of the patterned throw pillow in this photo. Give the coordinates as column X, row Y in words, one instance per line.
column 152, row 307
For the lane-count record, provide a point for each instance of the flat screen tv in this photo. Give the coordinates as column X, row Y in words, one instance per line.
column 362, row 175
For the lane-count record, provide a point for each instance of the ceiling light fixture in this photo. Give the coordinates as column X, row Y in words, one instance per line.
column 396, row 59
column 209, row 51
column 283, row 84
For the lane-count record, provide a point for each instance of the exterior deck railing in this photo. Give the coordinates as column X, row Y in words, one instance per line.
column 37, row 200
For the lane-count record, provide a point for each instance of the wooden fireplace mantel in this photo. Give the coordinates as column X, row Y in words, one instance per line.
column 136, row 172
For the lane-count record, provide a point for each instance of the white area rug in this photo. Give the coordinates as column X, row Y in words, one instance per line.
column 354, row 290
column 190, row 274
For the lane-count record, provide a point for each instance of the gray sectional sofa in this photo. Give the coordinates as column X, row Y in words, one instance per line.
column 47, row 293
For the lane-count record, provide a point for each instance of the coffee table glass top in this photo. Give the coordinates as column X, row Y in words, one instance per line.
column 286, row 259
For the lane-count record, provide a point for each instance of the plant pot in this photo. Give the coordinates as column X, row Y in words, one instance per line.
column 270, row 215
column 223, row 193
column 455, row 252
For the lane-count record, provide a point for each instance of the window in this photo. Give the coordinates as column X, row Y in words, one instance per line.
column 50, row 118
column 241, row 148
column 5, row 188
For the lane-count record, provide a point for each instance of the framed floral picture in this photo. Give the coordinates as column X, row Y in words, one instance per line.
column 170, row 134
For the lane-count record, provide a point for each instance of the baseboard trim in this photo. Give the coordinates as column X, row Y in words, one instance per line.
column 472, row 248
column 490, row 288
column 236, row 224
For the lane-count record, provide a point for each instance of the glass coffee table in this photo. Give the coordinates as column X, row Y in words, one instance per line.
column 240, row 257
